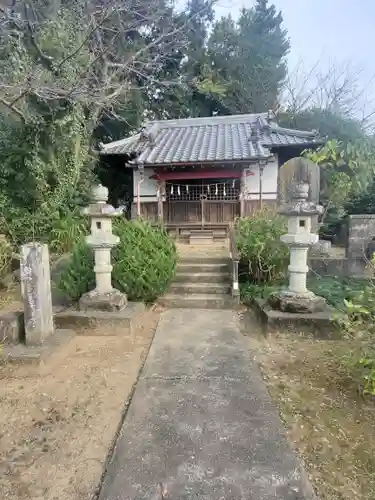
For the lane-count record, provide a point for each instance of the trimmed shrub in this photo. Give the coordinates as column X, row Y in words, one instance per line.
column 258, row 240
column 78, row 277
column 144, row 263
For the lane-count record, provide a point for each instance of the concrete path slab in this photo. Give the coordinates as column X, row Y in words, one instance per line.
column 201, row 422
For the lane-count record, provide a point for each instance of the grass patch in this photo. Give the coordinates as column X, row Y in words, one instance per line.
column 334, row 290
column 330, row 424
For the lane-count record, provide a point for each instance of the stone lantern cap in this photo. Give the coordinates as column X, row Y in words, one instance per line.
column 101, row 208
column 100, row 194
column 299, row 205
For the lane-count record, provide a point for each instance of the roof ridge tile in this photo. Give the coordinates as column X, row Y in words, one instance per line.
column 227, row 138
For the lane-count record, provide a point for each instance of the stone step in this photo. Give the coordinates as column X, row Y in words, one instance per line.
column 220, row 277
column 203, row 259
column 192, row 288
column 203, row 268
column 194, row 240
column 201, row 233
column 197, row 301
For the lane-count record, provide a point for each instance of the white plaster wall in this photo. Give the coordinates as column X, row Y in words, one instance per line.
column 148, row 188
column 269, row 186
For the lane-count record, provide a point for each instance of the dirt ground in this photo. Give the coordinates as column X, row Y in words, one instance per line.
column 58, row 421
column 329, row 423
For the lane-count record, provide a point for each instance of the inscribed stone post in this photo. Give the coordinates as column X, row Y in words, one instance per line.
column 36, row 285
column 299, row 170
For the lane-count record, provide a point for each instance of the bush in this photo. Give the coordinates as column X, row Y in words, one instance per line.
column 337, row 291
column 359, row 325
column 5, row 259
column 144, row 263
column 258, row 240
column 250, row 291
column 60, row 230
column 78, row 278
column 67, row 231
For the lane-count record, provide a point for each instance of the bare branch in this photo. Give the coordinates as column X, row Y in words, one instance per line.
column 13, row 108
column 336, row 88
column 47, row 59
column 110, row 51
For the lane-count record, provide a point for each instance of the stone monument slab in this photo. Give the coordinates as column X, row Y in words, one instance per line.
column 301, row 170
column 36, row 291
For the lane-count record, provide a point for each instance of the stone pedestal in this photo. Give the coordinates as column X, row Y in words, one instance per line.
column 299, row 303
column 112, row 301
column 36, row 291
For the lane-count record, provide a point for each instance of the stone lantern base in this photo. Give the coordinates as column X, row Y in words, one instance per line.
column 302, row 303
column 112, row 301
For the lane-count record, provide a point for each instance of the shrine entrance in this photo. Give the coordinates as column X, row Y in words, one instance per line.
column 202, row 202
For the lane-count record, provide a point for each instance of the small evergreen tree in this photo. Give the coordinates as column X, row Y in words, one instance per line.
column 249, row 57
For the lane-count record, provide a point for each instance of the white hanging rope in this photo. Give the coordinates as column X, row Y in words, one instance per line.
column 208, row 186
column 212, row 189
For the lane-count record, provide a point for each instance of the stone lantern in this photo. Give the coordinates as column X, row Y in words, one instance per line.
column 299, row 211
column 104, row 297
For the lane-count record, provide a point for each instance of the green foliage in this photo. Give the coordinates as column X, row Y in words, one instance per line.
column 330, row 124
column 144, row 263
column 248, row 56
column 347, row 171
column 67, row 232
column 5, row 257
column 250, row 291
column 45, row 165
column 364, row 202
column 360, row 325
column 60, row 231
column 335, row 290
column 145, row 260
column 355, row 299
column 368, row 373
column 45, row 174
column 78, row 278
column 258, row 240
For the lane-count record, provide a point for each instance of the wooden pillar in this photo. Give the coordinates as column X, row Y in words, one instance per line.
column 160, row 195
column 242, row 193
column 261, row 165
column 141, row 171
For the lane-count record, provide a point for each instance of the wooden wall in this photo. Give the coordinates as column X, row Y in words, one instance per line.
column 251, row 207
column 215, row 213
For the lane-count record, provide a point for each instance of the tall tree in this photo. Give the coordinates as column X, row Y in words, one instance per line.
column 249, row 58
column 189, row 66
column 330, row 124
column 66, row 67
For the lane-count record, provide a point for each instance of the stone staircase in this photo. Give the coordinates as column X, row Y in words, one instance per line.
column 202, row 282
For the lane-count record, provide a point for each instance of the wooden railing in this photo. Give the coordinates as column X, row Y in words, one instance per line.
column 235, row 259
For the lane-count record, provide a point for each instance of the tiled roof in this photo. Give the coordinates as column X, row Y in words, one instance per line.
column 217, row 138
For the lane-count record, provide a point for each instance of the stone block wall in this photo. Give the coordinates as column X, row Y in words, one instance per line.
column 361, row 229
column 328, row 267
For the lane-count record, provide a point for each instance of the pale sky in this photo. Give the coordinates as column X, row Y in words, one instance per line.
column 339, row 31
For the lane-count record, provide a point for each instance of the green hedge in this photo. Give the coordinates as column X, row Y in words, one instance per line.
column 144, row 263
column 258, row 239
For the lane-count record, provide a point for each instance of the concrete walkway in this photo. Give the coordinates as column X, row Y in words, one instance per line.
column 201, row 422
